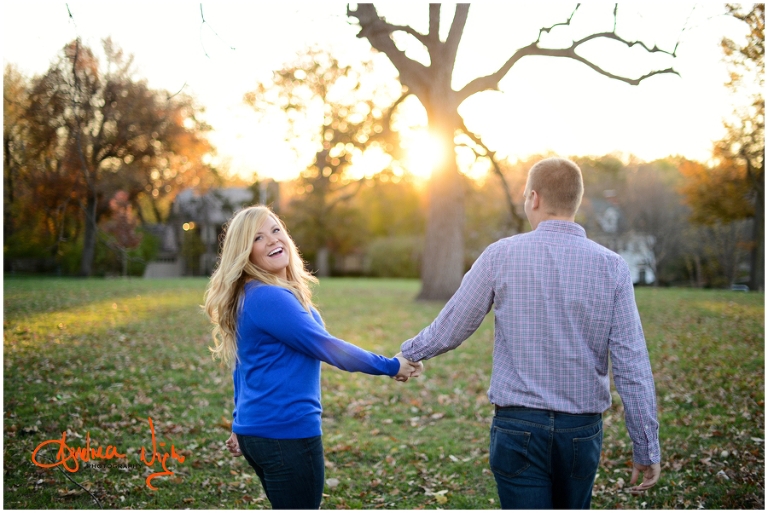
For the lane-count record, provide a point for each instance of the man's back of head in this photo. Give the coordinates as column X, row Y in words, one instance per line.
column 559, row 183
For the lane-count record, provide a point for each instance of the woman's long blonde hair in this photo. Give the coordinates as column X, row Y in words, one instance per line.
column 224, row 294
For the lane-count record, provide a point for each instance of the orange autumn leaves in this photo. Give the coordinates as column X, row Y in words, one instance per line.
column 717, row 194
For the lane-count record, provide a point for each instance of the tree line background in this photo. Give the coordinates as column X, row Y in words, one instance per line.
column 94, row 157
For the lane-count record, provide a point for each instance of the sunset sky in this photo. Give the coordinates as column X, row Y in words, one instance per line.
column 545, row 104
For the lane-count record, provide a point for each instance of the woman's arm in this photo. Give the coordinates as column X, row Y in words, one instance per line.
column 279, row 313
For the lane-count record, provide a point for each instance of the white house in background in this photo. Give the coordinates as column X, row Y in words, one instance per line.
column 606, row 225
column 204, row 214
column 636, row 250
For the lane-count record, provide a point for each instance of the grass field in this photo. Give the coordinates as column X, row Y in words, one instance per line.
column 98, row 358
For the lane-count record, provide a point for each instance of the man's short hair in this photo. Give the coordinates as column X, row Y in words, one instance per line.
column 558, row 182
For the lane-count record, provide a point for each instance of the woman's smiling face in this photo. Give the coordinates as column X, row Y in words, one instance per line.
column 270, row 248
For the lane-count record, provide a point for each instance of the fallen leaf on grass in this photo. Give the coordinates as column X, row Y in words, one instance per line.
column 440, row 497
column 69, row 493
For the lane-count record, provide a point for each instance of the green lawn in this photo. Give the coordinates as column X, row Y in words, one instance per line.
column 97, row 358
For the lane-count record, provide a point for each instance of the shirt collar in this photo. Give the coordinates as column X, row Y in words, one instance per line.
column 563, row 227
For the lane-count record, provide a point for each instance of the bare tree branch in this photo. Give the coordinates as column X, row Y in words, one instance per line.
column 454, row 35
column 204, row 23
column 616, row 37
column 491, row 82
column 381, row 24
column 570, row 53
column 565, row 23
column 177, row 92
column 434, row 23
column 413, row 74
column 346, row 197
column 517, row 221
column 71, row 18
column 685, row 27
column 387, row 118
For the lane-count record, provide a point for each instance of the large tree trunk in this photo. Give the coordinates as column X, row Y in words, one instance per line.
column 89, row 240
column 8, row 190
column 124, row 258
column 699, row 272
column 8, row 224
column 757, row 262
column 443, row 261
column 323, row 262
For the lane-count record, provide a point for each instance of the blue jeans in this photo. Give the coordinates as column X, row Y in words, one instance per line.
column 292, row 471
column 544, row 459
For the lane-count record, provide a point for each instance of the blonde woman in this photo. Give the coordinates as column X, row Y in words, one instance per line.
column 267, row 329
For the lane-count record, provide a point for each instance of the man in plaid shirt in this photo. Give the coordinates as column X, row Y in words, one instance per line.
column 562, row 304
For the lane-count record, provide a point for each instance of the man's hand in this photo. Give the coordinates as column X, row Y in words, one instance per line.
column 651, row 474
column 232, row 446
column 408, row 369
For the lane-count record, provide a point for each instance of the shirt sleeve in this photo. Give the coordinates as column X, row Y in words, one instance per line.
column 234, row 386
column 460, row 317
column 632, row 372
column 281, row 315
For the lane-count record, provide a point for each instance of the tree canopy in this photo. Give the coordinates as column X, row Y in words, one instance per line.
column 83, row 130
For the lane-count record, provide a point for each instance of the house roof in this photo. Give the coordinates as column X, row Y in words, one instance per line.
column 214, row 207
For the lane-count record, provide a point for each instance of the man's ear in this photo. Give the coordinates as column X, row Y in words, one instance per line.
column 535, row 199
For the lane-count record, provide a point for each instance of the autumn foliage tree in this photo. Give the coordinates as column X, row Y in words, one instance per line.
column 431, row 83
column 734, row 188
column 41, row 213
column 348, row 114
column 744, row 143
column 85, row 129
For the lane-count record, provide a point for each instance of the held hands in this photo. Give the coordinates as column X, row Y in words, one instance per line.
column 651, row 475
column 232, row 446
column 408, row 369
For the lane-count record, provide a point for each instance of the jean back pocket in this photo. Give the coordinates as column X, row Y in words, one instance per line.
column 509, row 451
column 586, row 455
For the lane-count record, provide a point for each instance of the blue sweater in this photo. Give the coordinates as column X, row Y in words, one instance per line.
column 277, row 378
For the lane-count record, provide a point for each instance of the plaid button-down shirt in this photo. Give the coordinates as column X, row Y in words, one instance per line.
column 562, row 304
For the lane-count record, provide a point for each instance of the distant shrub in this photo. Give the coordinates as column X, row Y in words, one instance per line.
column 144, row 253
column 395, row 257
column 107, row 261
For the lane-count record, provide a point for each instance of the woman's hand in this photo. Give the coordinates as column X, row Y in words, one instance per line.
column 232, row 446
column 408, row 369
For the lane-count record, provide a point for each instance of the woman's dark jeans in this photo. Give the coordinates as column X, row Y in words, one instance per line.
column 292, row 472
column 544, row 459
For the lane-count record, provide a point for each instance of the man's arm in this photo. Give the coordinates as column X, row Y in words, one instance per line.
column 633, row 377
column 460, row 317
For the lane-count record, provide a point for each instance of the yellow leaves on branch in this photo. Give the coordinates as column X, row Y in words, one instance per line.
column 719, row 194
